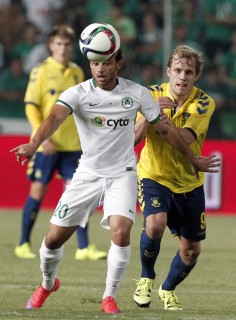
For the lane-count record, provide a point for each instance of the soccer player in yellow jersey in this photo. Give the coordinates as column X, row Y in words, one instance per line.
column 62, row 150
column 169, row 194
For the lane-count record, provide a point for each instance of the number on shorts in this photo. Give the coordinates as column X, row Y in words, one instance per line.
column 203, row 220
column 61, row 210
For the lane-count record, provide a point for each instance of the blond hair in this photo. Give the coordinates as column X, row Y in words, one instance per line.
column 183, row 51
column 63, row 31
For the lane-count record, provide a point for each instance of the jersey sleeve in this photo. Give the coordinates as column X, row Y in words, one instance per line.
column 34, row 116
column 199, row 120
column 69, row 98
column 148, row 107
column 33, row 90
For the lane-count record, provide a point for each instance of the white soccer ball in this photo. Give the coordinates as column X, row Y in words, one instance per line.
column 99, row 41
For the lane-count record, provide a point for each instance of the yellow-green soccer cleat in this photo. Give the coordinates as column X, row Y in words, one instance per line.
column 142, row 295
column 24, row 251
column 170, row 300
column 90, row 253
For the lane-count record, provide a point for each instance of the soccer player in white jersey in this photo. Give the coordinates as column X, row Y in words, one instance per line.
column 105, row 109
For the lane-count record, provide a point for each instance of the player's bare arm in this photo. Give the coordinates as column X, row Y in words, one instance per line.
column 35, row 118
column 166, row 102
column 200, row 163
column 142, row 124
column 46, row 129
column 140, row 129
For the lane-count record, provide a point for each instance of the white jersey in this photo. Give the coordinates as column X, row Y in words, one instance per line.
column 105, row 123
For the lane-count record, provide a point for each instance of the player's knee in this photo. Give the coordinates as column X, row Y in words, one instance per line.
column 54, row 241
column 121, row 237
column 155, row 226
column 190, row 254
column 38, row 190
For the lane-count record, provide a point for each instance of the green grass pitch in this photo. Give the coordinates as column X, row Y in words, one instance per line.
column 209, row 293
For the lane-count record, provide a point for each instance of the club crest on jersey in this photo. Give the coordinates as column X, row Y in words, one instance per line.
column 186, row 115
column 99, row 121
column 127, row 103
column 155, row 202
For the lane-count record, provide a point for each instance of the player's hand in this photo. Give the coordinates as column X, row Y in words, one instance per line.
column 166, row 102
column 164, row 119
column 24, row 153
column 206, row 164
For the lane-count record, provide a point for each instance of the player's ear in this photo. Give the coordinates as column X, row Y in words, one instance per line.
column 119, row 65
column 168, row 71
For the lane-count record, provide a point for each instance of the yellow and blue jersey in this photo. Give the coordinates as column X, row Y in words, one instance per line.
column 161, row 162
column 47, row 81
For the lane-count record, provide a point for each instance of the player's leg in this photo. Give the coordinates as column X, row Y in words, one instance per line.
column 51, row 253
column 67, row 165
column 181, row 266
column 74, row 208
column 87, row 250
column 154, row 202
column 191, row 229
column 117, row 261
column 40, row 173
column 31, row 209
column 119, row 215
column 150, row 242
column 183, row 263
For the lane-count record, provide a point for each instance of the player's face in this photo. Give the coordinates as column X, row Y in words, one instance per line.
column 105, row 73
column 182, row 75
column 61, row 49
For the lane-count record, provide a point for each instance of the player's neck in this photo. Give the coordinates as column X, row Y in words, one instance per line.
column 106, row 86
column 180, row 101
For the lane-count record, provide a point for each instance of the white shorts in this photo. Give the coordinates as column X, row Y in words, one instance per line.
column 86, row 192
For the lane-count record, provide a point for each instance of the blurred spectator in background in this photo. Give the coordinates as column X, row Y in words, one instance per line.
column 228, row 70
column 132, row 8
column 98, row 10
column 44, row 14
column 26, row 43
column 2, row 56
column 150, row 74
column 149, row 42
column 154, row 6
column 125, row 27
column 38, row 53
column 12, row 21
column 13, row 83
column 79, row 20
column 181, row 36
column 220, row 16
column 190, row 15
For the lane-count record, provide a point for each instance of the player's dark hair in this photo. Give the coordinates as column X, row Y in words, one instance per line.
column 118, row 55
column 63, row 31
column 183, row 51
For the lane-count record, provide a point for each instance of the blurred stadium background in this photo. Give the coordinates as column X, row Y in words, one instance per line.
column 149, row 30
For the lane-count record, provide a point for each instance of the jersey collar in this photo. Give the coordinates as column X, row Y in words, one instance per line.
column 95, row 83
column 190, row 98
column 57, row 64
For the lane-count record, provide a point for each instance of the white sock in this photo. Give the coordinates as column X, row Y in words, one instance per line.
column 49, row 262
column 117, row 261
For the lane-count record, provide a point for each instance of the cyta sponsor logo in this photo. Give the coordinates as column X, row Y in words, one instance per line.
column 100, row 121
